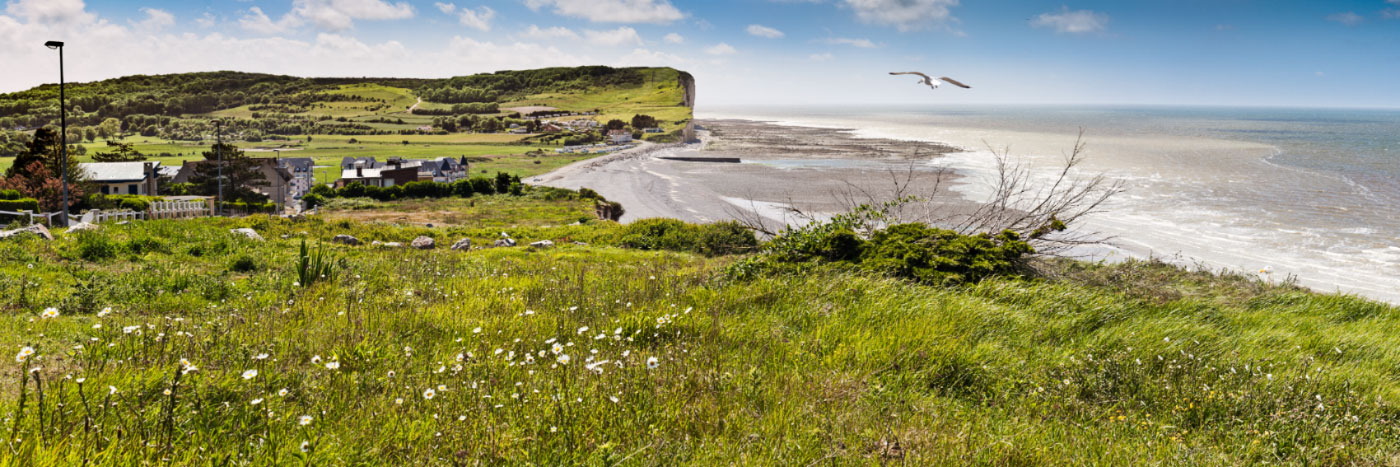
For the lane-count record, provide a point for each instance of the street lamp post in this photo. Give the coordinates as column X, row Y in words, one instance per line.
column 63, row 129
column 219, row 153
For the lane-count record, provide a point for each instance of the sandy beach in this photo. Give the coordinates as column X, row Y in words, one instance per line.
column 781, row 168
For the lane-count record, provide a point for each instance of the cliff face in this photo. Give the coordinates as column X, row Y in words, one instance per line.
column 687, row 82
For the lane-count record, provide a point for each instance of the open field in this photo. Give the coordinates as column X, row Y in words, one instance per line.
column 441, row 357
column 498, row 152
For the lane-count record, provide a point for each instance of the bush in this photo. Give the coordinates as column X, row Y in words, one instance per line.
column 19, row 204
column 427, row 190
column 312, row 200
column 483, row 185
column 95, row 247
column 243, row 263
column 939, row 256
column 9, row 195
column 502, row 182
column 717, row 239
column 462, row 188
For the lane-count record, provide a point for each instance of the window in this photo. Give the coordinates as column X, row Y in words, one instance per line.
column 104, row 189
column 131, row 189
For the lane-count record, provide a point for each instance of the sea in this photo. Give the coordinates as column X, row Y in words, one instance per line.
column 1307, row 195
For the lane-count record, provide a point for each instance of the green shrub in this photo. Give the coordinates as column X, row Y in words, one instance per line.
column 9, row 195
column 939, row 256
column 95, row 247
column 517, row 189
column 244, row 263
column 312, row 200
column 462, row 188
column 426, row 190
column 717, row 239
column 483, row 185
column 17, row 205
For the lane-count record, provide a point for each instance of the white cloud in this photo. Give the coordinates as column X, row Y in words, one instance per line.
column 613, row 11
column 614, row 37
column 905, row 15
column 1349, row 18
column 258, row 22
column 535, row 33
column 1072, row 22
column 446, row 8
column 861, row 43
column 764, row 31
column 206, row 21
column 674, row 38
column 721, row 49
column 820, row 57
column 50, row 11
column 478, row 19
column 338, row 15
column 156, row 19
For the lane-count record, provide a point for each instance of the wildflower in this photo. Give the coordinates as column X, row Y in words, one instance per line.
column 130, row 329
column 111, row 390
column 261, row 356
column 564, row 359
column 24, row 354
column 316, row 360
column 80, row 381
column 652, row 363
column 582, row 330
column 306, row 445
column 613, row 399
column 166, row 392
column 250, row 374
column 333, row 365
column 429, row 394
column 255, row 401
column 398, row 401
column 461, row 357
column 304, row 420
column 104, row 312
column 477, row 330
column 97, row 326
column 556, row 348
column 282, row 392
column 49, row 312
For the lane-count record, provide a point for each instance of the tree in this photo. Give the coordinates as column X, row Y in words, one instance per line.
column 643, row 121
column 615, row 124
column 44, row 148
column 241, row 174
column 123, row 152
column 109, row 128
column 38, row 182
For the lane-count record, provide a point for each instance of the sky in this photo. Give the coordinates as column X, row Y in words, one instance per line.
column 1277, row 53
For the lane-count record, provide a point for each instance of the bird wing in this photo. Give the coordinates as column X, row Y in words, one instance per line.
column 910, row 73
column 954, row 82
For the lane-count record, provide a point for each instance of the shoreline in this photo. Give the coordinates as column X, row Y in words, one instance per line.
column 785, row 173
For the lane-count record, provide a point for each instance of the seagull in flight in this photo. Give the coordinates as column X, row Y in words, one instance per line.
column 932, row 83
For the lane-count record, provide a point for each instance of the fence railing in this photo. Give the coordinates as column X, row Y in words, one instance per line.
column 180, row 209
column 31, row 217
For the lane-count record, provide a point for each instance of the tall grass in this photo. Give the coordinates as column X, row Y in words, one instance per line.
column 445, row 357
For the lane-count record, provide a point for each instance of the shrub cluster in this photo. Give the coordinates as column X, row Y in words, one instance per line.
column 502, row 183
column 717, row 239
column 913, row 251
column 11, row 200
column 118, row 202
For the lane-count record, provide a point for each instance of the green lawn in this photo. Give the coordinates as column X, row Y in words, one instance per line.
column 446, row 357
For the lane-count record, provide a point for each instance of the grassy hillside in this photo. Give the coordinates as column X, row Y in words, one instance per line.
column 170, row 117
column 445, row 357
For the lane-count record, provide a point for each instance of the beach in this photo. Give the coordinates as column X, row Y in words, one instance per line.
column 1220, row 193
column 786, row 174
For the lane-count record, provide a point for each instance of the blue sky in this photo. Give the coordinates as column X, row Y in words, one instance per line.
column 1343, row 53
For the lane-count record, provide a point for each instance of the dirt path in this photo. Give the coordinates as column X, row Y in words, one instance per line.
column 415, row 105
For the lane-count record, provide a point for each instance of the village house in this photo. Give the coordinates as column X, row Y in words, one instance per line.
column 303, row 170
column 620, row 136
column 371, row 173
column 123, row 178
column 276, row 181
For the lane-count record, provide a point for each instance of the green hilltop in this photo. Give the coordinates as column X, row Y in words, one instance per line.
column 171, row 118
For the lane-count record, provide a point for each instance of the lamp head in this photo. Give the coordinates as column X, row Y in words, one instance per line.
column 53, row 44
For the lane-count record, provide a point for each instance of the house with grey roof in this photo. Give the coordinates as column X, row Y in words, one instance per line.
column 123, row 178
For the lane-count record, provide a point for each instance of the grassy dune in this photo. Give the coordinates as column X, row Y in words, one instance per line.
column 1139, row 363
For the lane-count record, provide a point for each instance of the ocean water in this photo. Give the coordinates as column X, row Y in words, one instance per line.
column 1306, row 193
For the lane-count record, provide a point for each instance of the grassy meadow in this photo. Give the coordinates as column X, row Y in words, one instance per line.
column 216, row 350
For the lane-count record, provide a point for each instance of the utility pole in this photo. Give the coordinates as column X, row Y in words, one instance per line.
column 219, row 153
column 63, row 129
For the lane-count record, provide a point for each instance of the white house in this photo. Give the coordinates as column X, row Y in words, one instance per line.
column 620, row 136
column 123, row 178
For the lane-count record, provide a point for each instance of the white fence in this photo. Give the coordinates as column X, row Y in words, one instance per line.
column 180, row 209
column 30, row 217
